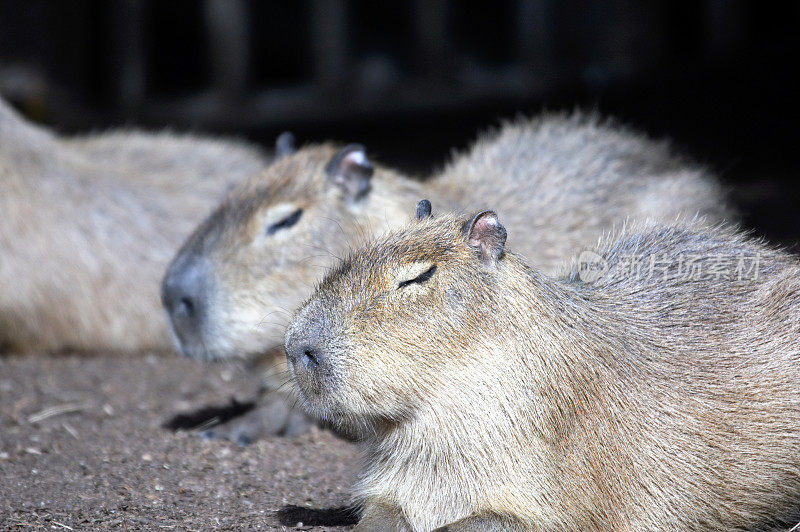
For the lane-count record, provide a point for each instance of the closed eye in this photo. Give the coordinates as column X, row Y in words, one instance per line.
column 421, row 278
column 285, row 223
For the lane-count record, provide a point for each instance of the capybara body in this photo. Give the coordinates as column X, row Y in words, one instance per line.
column 660, row 396
column 562, row 180
column 88, row 225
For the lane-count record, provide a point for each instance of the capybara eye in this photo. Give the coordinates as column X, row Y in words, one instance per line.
column 285, row 223
column 419, row 279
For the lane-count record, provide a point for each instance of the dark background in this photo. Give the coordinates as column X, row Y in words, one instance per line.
column 414, row 79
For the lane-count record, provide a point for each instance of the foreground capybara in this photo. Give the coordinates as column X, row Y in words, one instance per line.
column 652, row 388
column 562, row 180
column 88, row 224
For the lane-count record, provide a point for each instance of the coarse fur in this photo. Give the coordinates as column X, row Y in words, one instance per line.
column 88, row 225
column 493, row 397
column 561, row 179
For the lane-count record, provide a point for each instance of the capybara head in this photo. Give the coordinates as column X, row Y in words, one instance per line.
column 233, row 285
column 396, row 317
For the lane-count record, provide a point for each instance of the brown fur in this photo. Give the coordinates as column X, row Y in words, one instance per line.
column 90, row 223
column 561, row 180
column 493, row 397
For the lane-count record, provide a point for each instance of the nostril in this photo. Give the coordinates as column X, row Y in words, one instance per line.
column 185, row 307
column 310, row 360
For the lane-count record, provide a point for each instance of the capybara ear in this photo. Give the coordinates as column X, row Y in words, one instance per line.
column 284, row 145
column 423, row 209
column 486, row 234
column 351, row 171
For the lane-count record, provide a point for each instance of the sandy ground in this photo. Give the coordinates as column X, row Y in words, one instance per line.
column 82, row 446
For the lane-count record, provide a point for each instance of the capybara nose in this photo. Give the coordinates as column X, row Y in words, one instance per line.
column 183, row 305
column 182, row 294
column 179, row 296
column 304, row 355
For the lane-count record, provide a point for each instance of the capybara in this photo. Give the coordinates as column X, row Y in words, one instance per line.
column 88, row 225
column 656, row 392
column 561, row 180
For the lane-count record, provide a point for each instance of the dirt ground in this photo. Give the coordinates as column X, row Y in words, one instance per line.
column 82, row 446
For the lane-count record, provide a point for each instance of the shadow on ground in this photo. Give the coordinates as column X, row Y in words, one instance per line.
column 208, row 416
column 292, row 515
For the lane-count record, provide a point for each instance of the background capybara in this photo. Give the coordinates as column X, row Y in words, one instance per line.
column 89, row 225
column 563, row 180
